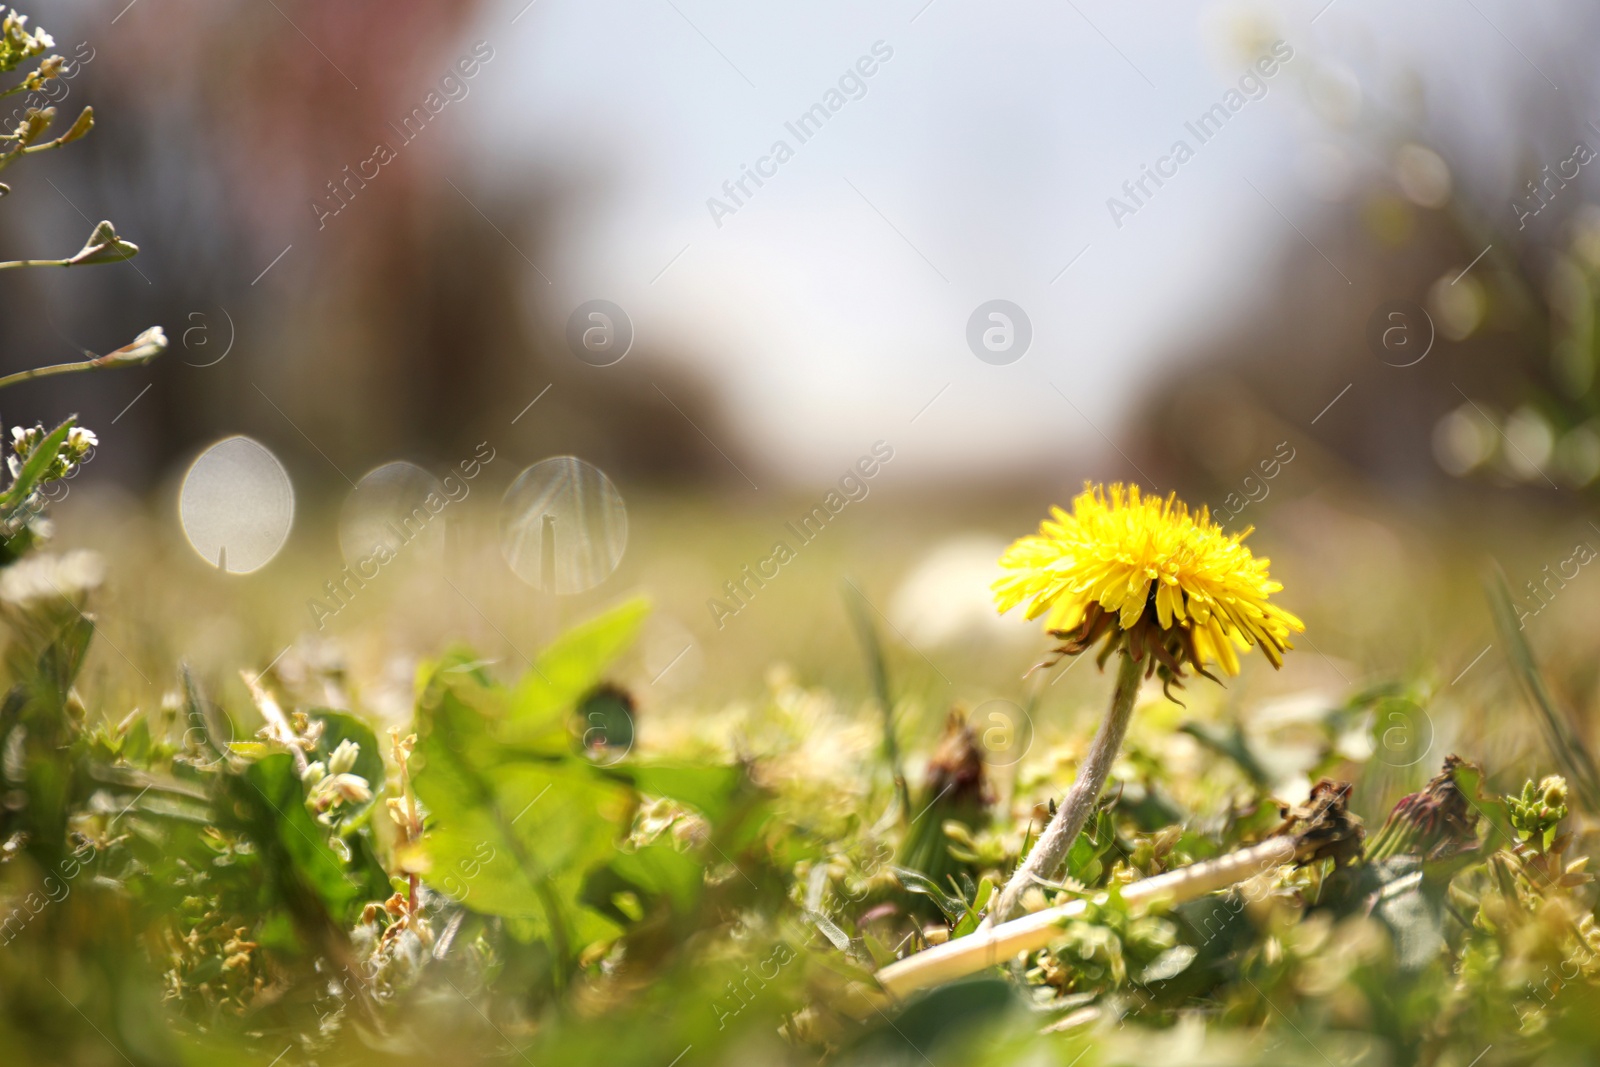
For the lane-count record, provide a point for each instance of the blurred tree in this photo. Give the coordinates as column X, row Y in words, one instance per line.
column 1487, row 248
column 407, row 325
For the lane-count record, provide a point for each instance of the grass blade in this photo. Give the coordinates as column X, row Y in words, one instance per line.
column 878, row 671
column 1576, row 761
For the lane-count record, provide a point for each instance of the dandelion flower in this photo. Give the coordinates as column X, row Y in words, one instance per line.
column 1167, row 588
column 1148, row 576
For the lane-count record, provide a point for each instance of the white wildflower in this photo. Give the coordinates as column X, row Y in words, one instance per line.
column 344, row 756
column 351, row 787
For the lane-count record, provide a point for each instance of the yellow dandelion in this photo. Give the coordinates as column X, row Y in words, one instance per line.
column 1166, row 588
column 1147, row 576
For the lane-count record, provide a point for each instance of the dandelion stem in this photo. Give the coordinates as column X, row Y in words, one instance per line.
column 996, row 944
column 1051, row 848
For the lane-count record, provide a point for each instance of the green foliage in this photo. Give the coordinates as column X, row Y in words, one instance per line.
column 1566, row 744
column 480, row 889
column 518, row 856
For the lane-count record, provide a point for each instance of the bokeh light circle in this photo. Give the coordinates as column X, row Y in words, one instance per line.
column 396, row 509
column 563, row 526
column 236, row 505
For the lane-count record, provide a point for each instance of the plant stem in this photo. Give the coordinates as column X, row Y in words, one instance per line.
column 994, row 945
column 1051, row 848
column 18, row 264
column 54, row 368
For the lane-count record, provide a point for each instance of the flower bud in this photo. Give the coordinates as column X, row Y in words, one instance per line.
column 79, row 128
column 34, row 122
column 142, row 349
column 104, row 246
column 344, row 756
column 25, row 439
column 1439, row 821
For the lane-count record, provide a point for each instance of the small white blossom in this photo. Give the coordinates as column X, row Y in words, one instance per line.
column 41, row 579
column 344, row 756
column 338, row 789
column 351, row 787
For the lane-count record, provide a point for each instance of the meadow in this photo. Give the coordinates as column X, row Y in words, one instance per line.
column 744, row 824
column 508, row 762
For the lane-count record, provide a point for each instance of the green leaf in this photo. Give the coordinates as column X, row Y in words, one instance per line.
column 952, row 906
column 34, row 467
column 512, row 833
column 284, row 826
column 43, row 657
column 711, row 789
column 655, row 872
column 61, row 659
column 1085, row 861
column 1414, row 911
column 567, row 670
column 203, row 718
column 1469, row 779
column 969, row 922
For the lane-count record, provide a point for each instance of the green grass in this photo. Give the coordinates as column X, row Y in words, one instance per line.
column 724, row 889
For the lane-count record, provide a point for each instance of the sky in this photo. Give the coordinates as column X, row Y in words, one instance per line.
column 830, row 309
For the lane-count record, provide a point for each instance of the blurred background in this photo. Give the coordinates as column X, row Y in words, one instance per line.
column 1355, row 310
